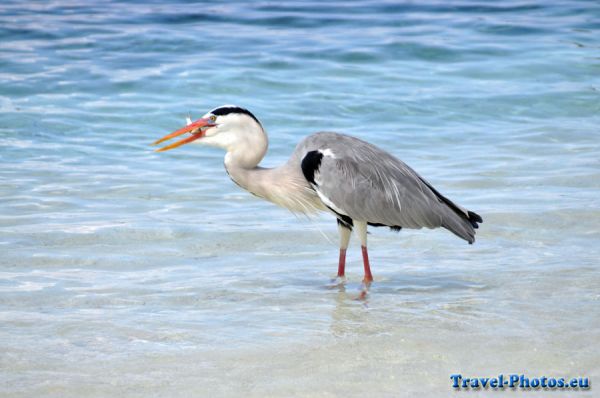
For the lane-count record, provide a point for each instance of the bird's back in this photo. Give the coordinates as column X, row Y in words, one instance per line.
column 358, row 180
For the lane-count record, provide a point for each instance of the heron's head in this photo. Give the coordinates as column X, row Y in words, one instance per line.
column 229, row 127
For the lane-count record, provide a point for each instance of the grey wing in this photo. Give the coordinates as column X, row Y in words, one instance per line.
column 358, row 180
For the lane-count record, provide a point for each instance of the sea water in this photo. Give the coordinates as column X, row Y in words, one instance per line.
column 128, row 273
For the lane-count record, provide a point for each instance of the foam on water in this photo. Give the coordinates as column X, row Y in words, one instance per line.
column 129, row 273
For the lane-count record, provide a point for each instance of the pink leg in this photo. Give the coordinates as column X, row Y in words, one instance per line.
column 368, row 276
column 342, row 264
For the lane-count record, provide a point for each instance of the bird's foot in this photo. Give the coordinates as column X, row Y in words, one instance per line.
column 338, row 281
column 364, row 289
column 362, row 296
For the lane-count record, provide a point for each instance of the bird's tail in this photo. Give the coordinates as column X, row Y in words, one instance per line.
column 463, row 224
column 460, row 221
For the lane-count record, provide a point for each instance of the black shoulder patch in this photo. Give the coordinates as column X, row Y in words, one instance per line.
column 310, row 165
column 226, row 110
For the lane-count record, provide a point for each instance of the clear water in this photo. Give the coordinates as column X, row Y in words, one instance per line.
column 129, row 273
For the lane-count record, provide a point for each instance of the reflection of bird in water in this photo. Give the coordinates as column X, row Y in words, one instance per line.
column 359, row 183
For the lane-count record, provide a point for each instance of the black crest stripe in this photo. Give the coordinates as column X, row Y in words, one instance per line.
column 226, row 110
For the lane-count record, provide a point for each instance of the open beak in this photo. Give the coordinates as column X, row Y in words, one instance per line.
column 196, row 129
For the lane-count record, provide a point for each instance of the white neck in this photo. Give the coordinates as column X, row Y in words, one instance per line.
column 284, row 186
column 246, row 144
column 245, row 147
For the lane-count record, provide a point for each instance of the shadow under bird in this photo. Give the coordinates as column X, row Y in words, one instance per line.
column 359, row 183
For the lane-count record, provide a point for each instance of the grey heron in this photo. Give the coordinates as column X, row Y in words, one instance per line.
column 359, row 183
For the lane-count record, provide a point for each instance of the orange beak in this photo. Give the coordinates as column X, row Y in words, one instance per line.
column 196, row 129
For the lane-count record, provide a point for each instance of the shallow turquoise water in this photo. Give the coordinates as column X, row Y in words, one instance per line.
column 126, row 272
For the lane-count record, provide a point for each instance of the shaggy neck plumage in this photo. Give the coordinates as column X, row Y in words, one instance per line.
column 284, row 185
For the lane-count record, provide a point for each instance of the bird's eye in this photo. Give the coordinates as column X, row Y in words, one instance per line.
column 212, row 118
